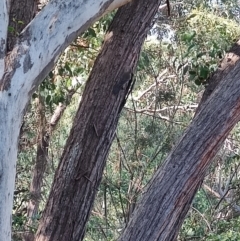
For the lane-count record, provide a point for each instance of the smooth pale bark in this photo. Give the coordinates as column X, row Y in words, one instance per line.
column 34, row 55
column 3, row 32
column 167, row 198
column 5, row 180
column 81, row 166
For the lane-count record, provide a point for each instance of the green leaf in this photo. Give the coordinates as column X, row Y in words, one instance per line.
column 192, row 72
column 51, row 74
column 68, row 68
column 69, row 82
column 198, row 81
column 191, row 16
column 190, row 47
column 146, row 60
column 188, row 36
column 204, row 72
column 61, row 71
column 11, row 29
column 48, row 99
column 91, row 32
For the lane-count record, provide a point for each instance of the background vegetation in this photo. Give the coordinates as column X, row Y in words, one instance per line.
column 180, row 53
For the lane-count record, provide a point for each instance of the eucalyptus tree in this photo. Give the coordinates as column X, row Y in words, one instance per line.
column 166, row 200
column 25, row 66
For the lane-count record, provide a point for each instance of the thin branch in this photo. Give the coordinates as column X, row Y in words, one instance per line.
column 183, row 107
column 209, row 189
column 172, row 4
column 203, row 218
column 158, row 80
column 222, row 197
column 159, row 116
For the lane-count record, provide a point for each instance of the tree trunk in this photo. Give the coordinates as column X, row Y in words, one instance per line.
column 21, row 13
column 80, row 170
column 10, row 117
column 45, row 131
column 167, row 198
column 39, row 167
column 22, row 70
column 10, row 122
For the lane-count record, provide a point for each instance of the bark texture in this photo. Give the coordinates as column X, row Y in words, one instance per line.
column 23, row 69
column 39, row 168
column 10, row 117
column 21, row 13
column 80, row 170
column 167, row 198
column 45, row 131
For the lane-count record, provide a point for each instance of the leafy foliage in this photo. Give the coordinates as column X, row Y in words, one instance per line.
column 172, row 70
column 206, row 37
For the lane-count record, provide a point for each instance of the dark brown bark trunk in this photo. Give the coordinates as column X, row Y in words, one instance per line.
column 44, row 134
column 39, row 168
column 21, row 13
column 80, row 170
column 167, row 198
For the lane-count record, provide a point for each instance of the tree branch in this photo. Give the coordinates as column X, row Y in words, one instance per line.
column 44, row 39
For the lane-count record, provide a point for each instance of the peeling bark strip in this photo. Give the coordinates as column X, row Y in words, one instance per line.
column 166, row 200
column 80, row 170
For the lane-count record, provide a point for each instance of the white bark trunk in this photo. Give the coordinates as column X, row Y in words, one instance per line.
column 9, row 128
column 39, row 46
column 3, row 32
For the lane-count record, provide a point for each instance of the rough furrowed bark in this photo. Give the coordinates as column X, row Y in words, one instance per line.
column 80, row 170
column 45, row 131
column 38, row 169
column 22, row 70
column 167, row 198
